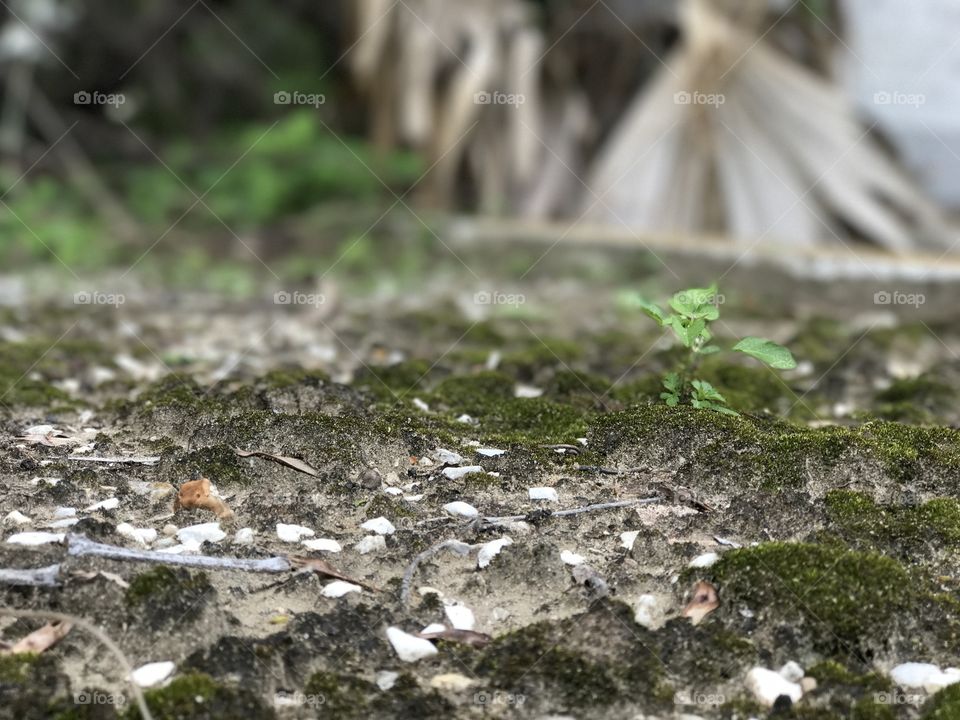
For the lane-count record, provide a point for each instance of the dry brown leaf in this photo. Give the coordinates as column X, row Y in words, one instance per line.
column 196, row 494
column 40, row 639
column 322, row 567
column 465, row 637
column 704, row 601
column 292, row 462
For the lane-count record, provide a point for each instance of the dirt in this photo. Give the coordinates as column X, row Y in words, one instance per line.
column 832, row 502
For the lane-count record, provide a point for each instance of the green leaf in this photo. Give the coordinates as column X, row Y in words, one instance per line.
column 696, row 303
column 651, row 309
column 709, row 349
column 671, row 381
column 706, row 391
column 671, row 399
column 774, row 355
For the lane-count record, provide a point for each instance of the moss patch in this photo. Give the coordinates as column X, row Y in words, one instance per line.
column 199, row 696
column 169, row 595
column 857, row 518
column 945, row 705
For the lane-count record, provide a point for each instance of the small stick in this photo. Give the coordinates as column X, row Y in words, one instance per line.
column 79, row 546
column 577, row 510
column 37, row 577
column 99, row 635
column 144, row 460
column 456, row 546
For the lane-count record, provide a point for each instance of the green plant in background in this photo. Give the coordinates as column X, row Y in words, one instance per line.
column 693, row 311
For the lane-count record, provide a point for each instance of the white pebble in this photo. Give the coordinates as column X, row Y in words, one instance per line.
column 293, row 533
column 705, row 561
column 108, row 504
column 646, row 611
column 244, row 536
column 379, row 525
column 913, row 674
column 452, row 682
column 15, row 517
column 767, row 686
column 393, row 491
column 460, row 616
column 339, row 588
column 571, row 558
column 371, row 543
column 409, row 648
column 792, row 671
column 937, row 682
column 323, row 544
column 64, row 512
column 527, row 391
column 65, row 523
column 455, row 473
column 459, row 507
column 433, row 628
column 413, row 498
column 144, row 536
column 465, row 419
column 627, row 539
column 449, row 457
column 543, row 493
column 490, row 550
column 421, row 405
column 152, row 673
column 35, row 538
column 386, row 679
column 196, row 535
column 490, row 452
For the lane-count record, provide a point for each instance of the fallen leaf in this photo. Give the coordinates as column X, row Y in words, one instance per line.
column 292, row 462
column 322, row 567
column 196, row 494
column 40, row 639
column 464, row 637
column 704, row 601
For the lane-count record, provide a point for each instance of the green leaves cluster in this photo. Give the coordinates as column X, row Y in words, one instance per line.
column 693, row 311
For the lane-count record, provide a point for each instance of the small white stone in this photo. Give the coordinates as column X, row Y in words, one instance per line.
column 433, row 628
column 460, row 616
column 449, row 457
column 527, row 391
column 409, row 648
column 646, row 611
column 371, row 543
column 413, row 498
column 937, row 682
column 386, row 679
column 65, row 523
column 767, row 686
column 144, row 536
column 454, row 682
column 323, row 544
column 490, row 550
column 379, row 525
column 705, row 561
column 543, row 493
column 421, row 405
column 196, row 535
column 293, row 533
column 571, row 558
column 339, row 588
column 425, row 462
column 108, row 504
column 35, row 538
column 393, row 491
column 459, row 507
column 188, row 547
column 490, row 452
column 792, row 671
column 15, row 517
column 913, row 674
column 627, row 539
column 465, row 419
column 152, row 673
column 455, row 473
column 65, row 512
column 244, row 536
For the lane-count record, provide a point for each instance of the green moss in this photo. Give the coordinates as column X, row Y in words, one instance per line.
column 858, row 518
column 16, row 669
column 476, row 394
column 945, row 705
column 543, row 353
column 197, row 695
column 390, row 381
column 820, row 340
column 169, row 595
column 340, row 695
column 831, row 674
column 176, row 393
column 868, row 709
column 219, row 463
column 578, row 388
column 292, row 377
column 917, row 400
column 752, row 389
column 385, row 505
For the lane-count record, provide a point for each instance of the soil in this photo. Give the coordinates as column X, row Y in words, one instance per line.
column 832, row 502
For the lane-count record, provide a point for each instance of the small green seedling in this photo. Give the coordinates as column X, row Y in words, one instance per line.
column 693, row 311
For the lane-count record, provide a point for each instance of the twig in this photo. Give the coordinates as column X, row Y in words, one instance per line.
column 79, row 546
column 456, row 546
column 130, row 459
column 37, row 577
column 575, row 511
column 573, row 449
column 99, row 635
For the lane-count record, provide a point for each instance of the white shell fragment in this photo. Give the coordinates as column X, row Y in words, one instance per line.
column 339, row 588
column 65, row 523
column 571, row 558
column 35, row 538
column 490, row 452
column 379, row 525
column 386, row 679
column 195, row 535
column 459, row 507
column 460, row 616
column 15, row 517
column 490, row 550
column 527, row 391
column 433, row 628
column 913, row 674
column 293, row 533
column 543, row 493
column 767, row 686
column 648, row 612
column 152, row 673
column 940, row 680
column 792, row 671
column 409, row 648
column 144, row 536
column 65, row 512
column 705, row 560
column 449, row 457
column 371, row 543
column 108, row 504
column 627, row 539
column 323, row 544
column 244, row 536
column 421, row 405
column 455, row 473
